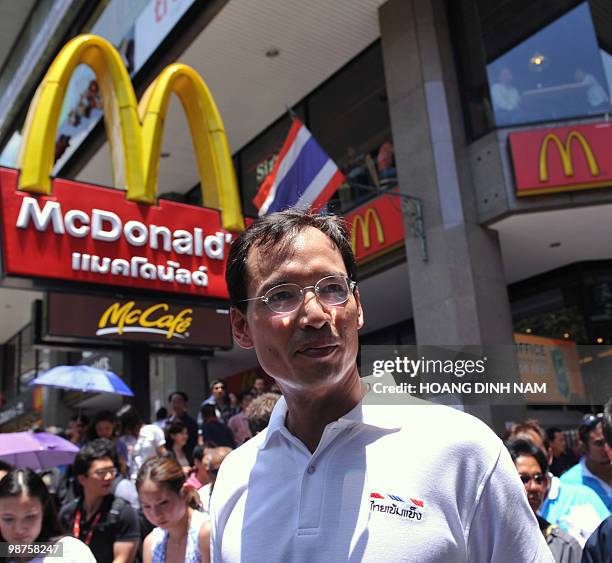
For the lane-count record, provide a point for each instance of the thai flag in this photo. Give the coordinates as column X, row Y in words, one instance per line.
column 304, row 176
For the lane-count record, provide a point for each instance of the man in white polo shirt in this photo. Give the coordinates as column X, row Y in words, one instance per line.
column 332, row 479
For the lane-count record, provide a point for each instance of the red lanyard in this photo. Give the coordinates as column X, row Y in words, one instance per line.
column 76, row 528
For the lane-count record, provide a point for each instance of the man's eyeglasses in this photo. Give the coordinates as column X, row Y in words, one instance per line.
column 538, row 478
column 102, row 473
column 287, row 297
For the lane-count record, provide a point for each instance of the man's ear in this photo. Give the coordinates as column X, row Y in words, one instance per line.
column 240, row 328
column 360, row 320
column 81, row 480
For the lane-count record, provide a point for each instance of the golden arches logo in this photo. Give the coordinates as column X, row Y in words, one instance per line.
column 134, row 131
column 566, row 155
column 364, row 226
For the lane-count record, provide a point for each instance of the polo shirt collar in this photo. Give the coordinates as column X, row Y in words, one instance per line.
column 379, row 416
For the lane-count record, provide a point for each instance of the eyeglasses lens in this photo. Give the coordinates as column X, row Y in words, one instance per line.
column 285, row 298
column 101, row 473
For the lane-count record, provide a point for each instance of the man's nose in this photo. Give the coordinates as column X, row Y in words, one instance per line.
column 312, row 312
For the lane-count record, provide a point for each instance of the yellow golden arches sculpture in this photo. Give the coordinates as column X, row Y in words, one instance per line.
column 134, row 131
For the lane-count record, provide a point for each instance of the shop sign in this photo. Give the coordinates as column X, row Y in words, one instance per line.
column 562, row 159
column 376, row 227
column 84, row 317
column 82, row 233
column 552, row 362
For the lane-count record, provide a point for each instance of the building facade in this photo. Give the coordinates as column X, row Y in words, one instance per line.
column 473, row 139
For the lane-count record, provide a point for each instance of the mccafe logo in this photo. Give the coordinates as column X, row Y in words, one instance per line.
column 119, row 318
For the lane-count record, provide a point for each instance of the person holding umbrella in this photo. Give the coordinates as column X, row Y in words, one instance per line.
column 27, row 515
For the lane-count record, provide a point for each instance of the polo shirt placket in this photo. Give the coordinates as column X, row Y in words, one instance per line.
column 311, row 489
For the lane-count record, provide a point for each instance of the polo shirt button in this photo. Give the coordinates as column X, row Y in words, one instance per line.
column 311, row 469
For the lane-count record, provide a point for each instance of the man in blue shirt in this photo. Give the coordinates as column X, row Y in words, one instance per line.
column 594, row 469
column 598, row 548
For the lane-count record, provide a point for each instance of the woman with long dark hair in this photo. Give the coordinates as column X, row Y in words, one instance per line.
column 177, row 436
column 27, row 516
column 183, row 531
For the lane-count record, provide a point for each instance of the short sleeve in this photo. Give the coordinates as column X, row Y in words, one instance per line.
column 128, row 527
column 503, row 528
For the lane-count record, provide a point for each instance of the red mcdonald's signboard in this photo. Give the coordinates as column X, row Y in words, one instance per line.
column 376, row 227
column 562, row 159
column 55, row 229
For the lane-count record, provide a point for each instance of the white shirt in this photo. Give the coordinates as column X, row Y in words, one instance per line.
column 386, row 483
column 204, row 493
column 505, row 97
column 73, row 551
column 149, row 439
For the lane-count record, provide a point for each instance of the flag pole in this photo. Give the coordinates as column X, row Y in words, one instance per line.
column 291, row 112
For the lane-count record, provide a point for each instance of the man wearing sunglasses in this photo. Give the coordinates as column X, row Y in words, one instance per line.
column 598, row 548
column 332, row 478
column 532, row 468
column 594, row 469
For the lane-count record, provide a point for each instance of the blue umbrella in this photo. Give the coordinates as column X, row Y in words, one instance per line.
column 85, row 379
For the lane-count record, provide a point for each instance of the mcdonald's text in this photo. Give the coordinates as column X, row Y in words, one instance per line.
column 562, row 159
column 85, row 233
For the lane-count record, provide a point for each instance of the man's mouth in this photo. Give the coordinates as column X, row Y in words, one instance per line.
column 317, row 350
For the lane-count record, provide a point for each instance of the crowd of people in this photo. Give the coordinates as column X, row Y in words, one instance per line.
column 315, row 473
column 136, row 491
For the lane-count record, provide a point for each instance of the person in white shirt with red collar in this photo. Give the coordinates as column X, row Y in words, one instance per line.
column 332, row 478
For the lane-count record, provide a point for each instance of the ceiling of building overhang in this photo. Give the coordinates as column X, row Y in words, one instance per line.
column 314, row 40
column 533, row 243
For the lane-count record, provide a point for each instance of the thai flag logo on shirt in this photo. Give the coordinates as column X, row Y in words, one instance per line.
column 395, row 505
column 304, row 176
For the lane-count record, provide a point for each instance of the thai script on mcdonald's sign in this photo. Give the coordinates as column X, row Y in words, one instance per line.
column 81, row 233
column 376, row 227
column 562, row 159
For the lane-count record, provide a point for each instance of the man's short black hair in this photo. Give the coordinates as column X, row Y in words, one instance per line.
column 93, row 451
column 215, row 382
column 270, row 234
column 520, row 447
column 552, row 432
column 606, row 423
column 180, row 393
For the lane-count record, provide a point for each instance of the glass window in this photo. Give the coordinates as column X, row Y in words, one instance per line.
column 524, row 62
column 349, row 117
column 548, row 77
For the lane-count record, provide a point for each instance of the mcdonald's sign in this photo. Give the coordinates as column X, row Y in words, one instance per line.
column 562, row 159
column 376, row 227
column 77, row 232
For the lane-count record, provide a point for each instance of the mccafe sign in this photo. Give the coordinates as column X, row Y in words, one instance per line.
column 84, row 317
column 77, row 232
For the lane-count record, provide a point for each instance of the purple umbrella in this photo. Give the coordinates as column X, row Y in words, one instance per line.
column 36, row 450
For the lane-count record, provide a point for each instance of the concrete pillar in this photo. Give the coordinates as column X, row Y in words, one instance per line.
column 459, row 296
